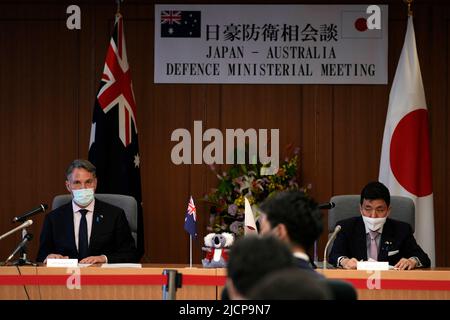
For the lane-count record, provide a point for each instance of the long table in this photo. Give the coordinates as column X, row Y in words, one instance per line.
column 96, row 283
column 420, row 284
column 427, row 284
column 42, row 283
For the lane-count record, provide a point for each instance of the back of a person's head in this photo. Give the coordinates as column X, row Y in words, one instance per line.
column 375, row 190
column 252, row 257
column 298, row 212
column 290, row 284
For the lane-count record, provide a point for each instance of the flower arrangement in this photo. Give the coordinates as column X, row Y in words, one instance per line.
column 227, row 202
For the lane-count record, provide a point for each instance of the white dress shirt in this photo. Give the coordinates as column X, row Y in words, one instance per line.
column 301, row 255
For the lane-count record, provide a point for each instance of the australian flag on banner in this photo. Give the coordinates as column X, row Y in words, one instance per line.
column 190, row 219
column 180, row 24
column 113, row 146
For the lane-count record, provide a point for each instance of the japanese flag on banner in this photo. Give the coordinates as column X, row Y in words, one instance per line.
column 405, row 166
column 354, row 26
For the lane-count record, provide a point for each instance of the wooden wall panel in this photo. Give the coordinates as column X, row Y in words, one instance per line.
column 49, row 78
column 437, row 102
column 205, row 106
column 317, row 150
column 39, row 117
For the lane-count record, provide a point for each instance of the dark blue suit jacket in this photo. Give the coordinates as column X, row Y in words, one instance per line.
column 110, row 234
column 339, row 290
column 396, row 236
column 303, row 264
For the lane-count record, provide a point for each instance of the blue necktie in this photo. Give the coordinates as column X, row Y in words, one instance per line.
column 83, row 246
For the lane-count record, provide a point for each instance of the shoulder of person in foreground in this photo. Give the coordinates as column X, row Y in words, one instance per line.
column 290, row 284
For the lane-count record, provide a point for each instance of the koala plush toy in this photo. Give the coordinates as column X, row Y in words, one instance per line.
column 216, row 247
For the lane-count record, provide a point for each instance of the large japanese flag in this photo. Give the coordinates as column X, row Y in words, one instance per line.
column 405, row 166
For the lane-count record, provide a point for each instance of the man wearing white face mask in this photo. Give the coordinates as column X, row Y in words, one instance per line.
column 86, row 228
column 374, row 236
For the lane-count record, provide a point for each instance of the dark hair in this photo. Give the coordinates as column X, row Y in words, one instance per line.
column 291, row 284
column 81, row 164
column 375, row 190
column 298, row 212
column 252, row 257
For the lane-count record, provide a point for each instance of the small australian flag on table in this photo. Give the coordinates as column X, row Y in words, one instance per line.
column 190, row 218
column 180, row 24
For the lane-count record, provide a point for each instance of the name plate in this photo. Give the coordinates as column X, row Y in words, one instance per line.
column 372, row 265
column 62, row 263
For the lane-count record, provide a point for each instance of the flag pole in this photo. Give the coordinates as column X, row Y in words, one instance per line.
column 190, row 226
column 118, row 6
column 408, row 2
column 190, row 251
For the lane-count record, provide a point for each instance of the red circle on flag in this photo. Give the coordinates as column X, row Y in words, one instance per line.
column 361, row 24
column 410, row 153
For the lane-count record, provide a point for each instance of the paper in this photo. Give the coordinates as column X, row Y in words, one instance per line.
column 121, row 265
column 62, row 263
column 84, row 265
column 372, row 265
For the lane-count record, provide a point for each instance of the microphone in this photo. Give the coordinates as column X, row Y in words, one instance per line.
column 22, row 243
column 34, row 211
column 332, row 237
column 22, row 226
column 327, row 206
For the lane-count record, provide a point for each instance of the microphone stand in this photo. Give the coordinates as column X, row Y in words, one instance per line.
column 330, row 240
column 316, row 257
column 324, row 206
column 23, row 260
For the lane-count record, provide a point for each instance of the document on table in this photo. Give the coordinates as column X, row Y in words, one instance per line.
column 121, row 265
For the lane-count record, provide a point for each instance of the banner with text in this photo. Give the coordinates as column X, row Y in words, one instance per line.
column 271, row 44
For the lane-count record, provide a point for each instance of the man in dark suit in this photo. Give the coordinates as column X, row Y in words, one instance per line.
column 294, row 218
column 252, row 258
column 290, row 284
column 86, row 229
column 375, row 236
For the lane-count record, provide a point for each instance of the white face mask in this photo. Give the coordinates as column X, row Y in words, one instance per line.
column 374, row 224
column 83, row 197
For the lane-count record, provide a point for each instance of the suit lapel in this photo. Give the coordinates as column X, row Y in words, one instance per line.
column 97, row 225
column 360, row 243
column 386, row 241
column 69, row 226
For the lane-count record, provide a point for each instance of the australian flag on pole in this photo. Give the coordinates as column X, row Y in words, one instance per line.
column 113, row 146
column 180, row 24
column 190, row 219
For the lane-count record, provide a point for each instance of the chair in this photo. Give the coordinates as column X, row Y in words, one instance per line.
column 347, row 206
column 127, row 203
